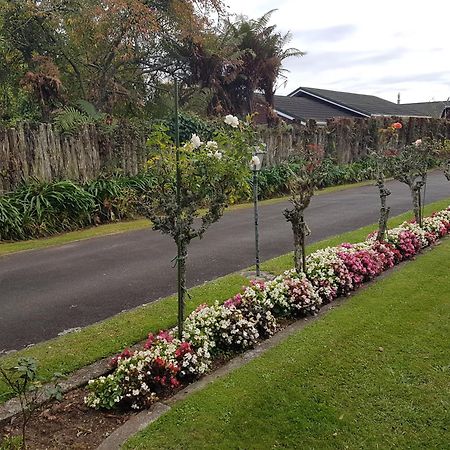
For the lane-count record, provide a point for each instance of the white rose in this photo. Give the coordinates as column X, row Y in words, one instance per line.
column 231, row 120
column 256, row 162
column 212, row 145
column 195, row 141
column 418, row 142
column 218, row 155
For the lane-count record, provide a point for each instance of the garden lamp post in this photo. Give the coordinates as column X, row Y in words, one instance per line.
column 255, row 165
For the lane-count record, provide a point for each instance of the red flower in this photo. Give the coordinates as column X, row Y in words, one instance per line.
column 160, row 362
column 397, row 125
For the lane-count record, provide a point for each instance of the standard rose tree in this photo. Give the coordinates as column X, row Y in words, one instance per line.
column 302, row 184
column 210, row 176
column 410, row 165
column 387, row 147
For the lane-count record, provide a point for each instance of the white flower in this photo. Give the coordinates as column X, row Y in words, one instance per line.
column 418, row 142
column 231, row 120
column 195, row 141
column 212, row 145
column 255, row 162
column 218, row 155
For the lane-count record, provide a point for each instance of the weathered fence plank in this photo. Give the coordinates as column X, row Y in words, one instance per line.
column 41, row 151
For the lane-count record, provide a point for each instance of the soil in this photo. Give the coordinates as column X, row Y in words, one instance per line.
column 69, row 424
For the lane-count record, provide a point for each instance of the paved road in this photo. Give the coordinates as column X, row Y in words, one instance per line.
column 44, row 292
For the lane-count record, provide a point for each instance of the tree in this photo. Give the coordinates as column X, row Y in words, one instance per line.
column 235, row 60
column 302, row 185
column 193, row 185
column 410, row 165
column 108, row 52
column 387, row 144
column 263, row 49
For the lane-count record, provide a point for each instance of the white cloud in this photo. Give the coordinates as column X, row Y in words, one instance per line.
column 379, row 48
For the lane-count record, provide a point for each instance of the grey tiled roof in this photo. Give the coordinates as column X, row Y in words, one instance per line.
column 304, row 108
column 364, row 104
column 433, row 109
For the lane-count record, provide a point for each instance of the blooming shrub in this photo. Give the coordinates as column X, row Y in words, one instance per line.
column 387, row 254
column 405, row 241
column 213, row 329
column 256, row 307
column 300, row 296
column 141, row 377
column 361, row 262
column 328, row 273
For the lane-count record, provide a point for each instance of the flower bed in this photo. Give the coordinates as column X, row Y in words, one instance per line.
column 139, row 378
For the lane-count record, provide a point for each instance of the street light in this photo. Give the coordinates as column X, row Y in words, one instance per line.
column 255, row 165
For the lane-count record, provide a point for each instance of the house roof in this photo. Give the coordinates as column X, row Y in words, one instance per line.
column 433, row 109
column 304, row 108
column 366, row 105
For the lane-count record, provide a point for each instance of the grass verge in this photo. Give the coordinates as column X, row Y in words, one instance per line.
column 68, row 353
column 373, row 373
column 7, row 248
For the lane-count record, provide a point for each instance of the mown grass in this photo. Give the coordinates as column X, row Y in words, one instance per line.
column 68, row 353
column 372, row 374
column 7, row 248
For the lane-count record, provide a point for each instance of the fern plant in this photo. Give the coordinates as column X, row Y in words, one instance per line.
column 70, row 119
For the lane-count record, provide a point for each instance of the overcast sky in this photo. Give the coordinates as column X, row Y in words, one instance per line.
column 379, row 47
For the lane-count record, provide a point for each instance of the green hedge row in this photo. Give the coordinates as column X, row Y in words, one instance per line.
column 38, row 209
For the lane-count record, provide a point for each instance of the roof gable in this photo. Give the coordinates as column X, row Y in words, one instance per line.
column 366, row 105
column 304, row 108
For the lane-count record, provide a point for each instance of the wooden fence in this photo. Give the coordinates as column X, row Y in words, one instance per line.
column 42, row 152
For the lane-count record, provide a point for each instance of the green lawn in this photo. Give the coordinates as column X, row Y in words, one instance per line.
column 372, row 374
column 68, row 353
column 7, row 248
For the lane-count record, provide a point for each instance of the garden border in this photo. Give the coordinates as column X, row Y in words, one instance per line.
column 101, row 367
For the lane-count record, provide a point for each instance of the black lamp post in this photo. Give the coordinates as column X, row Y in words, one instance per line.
column 255, row 165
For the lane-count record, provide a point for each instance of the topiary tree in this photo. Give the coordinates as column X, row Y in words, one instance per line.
column 302, row 183
column 194, row 184
column 410, row 166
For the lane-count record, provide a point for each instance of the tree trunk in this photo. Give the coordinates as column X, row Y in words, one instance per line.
column 384, row 210
column 298, row 229
column 415, row 193
column 181, row 263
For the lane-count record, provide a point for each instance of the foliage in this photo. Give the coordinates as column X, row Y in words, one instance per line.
column 47, row 208
column 274, row 181
column 410, row 166
column 443, row 156
column 22, row 380
column 114, row 197
column 236, row 59
column 190, row 124
column 39, row 209
column 189, row 180
column 111, row 53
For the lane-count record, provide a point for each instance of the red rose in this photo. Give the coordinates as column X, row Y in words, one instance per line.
column 397, row 125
